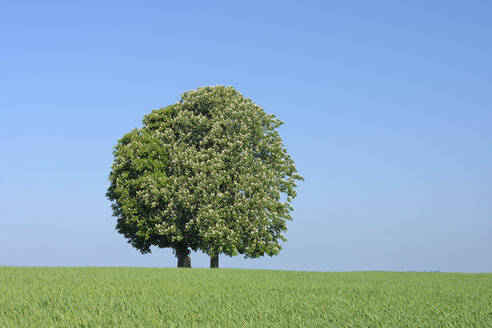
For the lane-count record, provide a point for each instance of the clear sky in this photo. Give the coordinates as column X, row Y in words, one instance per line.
column 387, row 108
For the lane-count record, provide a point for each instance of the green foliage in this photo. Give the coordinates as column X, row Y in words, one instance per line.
column 143, row 297
column 208, row 173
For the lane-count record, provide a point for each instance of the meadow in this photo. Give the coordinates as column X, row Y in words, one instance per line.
column 168, row 297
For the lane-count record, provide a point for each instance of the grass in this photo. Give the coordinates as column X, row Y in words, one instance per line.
column 145, row 297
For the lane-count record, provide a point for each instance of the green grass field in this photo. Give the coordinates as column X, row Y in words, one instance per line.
column 145, row 297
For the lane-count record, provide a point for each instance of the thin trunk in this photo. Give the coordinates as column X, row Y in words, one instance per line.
column 183, row 255
column 214, row 261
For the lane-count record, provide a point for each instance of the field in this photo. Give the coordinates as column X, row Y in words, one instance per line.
column 145, row 297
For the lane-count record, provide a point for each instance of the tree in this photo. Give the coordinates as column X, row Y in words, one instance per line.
column 207, row 173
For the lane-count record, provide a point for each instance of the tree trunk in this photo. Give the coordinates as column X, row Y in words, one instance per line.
column 183, row 255
column 214, row 261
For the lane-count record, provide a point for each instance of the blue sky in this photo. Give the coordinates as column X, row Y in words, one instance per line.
column 387, row 108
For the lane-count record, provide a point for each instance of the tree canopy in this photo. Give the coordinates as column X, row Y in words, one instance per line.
column 206, row 173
